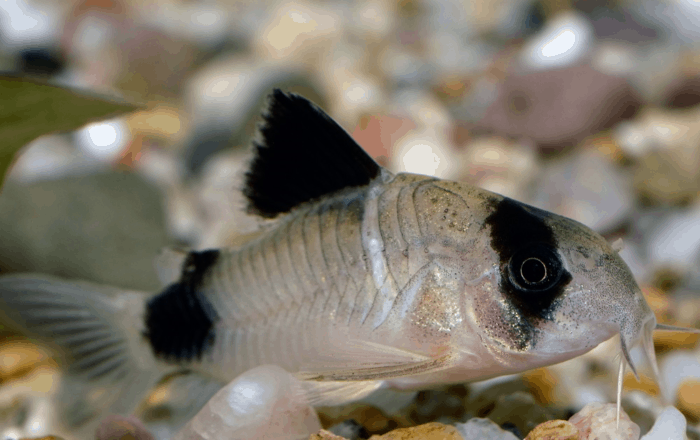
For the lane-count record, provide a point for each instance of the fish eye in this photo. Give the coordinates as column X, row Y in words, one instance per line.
column 535, row 268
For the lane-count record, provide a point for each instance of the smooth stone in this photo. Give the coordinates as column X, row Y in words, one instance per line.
column 496, row 164
column 521, row 410
column 532, row 105
column 675, row 242
column 670, row 425
column 669, row 176
column 424, row 151
column 174, row 402
column 597, row 421
column 544, row 50
column 120, row 427
column 18, row 357
column 105, row 228
column 478, row 429
column 542, row 383
column 389, row 400
column 483, row 395
column 264, row 403
column 676, row 367
column 642, row 408
column 429, row 431
column 372, row 418
column 554, row 430
column 326, row 435
column 349, row 429
column 429, row 405
column 688, row 397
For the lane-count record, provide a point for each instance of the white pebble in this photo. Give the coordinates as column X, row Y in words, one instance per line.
column 424, row 152
column 105, row 140
column 263, row 403
column 675, row 242
column 478, row 429
column 674, row 369
column 390, row 400
column 670, row 425
column 563, row 41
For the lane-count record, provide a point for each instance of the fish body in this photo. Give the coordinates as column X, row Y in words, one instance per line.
column 365, row 279
column 406, row 262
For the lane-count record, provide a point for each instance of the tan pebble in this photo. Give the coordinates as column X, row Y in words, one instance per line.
column 598, row 421
column 429, row 431
column 285, row 37
column 115, row 427
column 451, row 89
column 373, row 419
column 688, row 398
column 18, row 358
column 41, row 379
column 689, row 63
column 645, row 384
column 659, row 302
column 667, row 312
column 665, row 341
column 158, row 395
column 542, row 384
column 554, row 430
column 669, row 176
column 554, row 7
column 325, row 435
column 605, row 144
column 163, row 122
column 685, row 312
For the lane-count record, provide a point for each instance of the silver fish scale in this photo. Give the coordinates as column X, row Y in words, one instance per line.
column 335, row 267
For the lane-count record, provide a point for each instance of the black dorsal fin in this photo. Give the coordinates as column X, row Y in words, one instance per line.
column 301, row 155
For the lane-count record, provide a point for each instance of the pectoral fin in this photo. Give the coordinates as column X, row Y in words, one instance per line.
column 352, row 382
column 337, row 393
column 381, row 372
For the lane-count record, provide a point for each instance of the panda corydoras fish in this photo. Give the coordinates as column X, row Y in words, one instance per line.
column 360, row 279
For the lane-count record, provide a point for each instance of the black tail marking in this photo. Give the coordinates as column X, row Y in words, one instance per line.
column 180, row 321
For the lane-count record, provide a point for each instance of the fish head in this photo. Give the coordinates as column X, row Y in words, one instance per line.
column 555, row 289
column 599, row 296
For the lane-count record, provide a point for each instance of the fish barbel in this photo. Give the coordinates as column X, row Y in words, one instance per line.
column 365, row 279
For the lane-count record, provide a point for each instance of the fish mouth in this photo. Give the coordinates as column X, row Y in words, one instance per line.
column 629, row 337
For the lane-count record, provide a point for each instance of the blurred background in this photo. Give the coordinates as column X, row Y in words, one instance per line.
column 587, row 108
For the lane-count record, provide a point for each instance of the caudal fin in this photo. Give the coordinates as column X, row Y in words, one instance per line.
column 96, row 332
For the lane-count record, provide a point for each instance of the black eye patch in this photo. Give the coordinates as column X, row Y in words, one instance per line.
column 532, row 273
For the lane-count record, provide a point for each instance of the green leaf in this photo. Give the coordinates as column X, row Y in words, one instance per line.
column 29, row 109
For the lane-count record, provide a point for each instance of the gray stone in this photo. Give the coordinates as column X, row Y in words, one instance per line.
column 105, row 228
